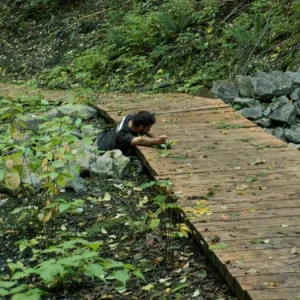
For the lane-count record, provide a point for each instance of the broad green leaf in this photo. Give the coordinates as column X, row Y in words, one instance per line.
column 53, row 175
column 4, row 292
column 34, row 294
column 113, row 264
column 95, row 270
column 180, row 286
column 218, row 246
column 49, row 271
column 45, row 102
column 19, row 275
column 63, row 207
column 61, row 180
column 58, row 163
column 88, row 141
column 1, row 175
column 70, row 138
column 129, row 267
column 78, row 122
column 7, row 284
column 14, row 266
column 19, row 289
column 138, row 274
column 154, row 224
column 121, row 275
column 75, row 259
column 95, row 245
column 72, row 243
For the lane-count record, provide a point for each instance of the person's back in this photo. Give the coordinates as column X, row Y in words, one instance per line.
column 118, row 137
column 126, row 135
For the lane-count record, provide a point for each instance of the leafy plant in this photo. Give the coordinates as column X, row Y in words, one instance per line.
column 72, row 261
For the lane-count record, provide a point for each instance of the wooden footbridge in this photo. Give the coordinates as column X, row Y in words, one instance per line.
column 238, row 185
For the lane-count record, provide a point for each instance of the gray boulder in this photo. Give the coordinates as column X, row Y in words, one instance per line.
column 243, row 84
column 278, row 132
column 78, row 111
column 285, row 114
column 292, row 136
column 225, row 90
column 31, row 122
column 251, row 113
column 267, row 85
column 295, row 128
column 278, row 103
column 295, row 77
column 32, row 180
column 76, row 183
column 263, row 122
column 295, row 95
column 53, row 113
column 245, row 102
column 111, row 164
column 89, row 130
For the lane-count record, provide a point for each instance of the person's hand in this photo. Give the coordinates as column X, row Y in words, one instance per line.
column 162, row 139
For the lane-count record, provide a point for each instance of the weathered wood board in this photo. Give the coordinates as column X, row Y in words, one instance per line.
column 238, row 187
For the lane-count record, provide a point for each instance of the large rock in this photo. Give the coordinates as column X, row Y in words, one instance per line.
column 295, row 95
column 32, row 180
column 295, row 77
column 251, row 113
column 263, row 122
column 280, row 102
column 278, row 132
column 292, row 136
column 78, row 111
column 286, row 114
column 112, row 164
column 243, row 84
column 31, row 122
column 267, row 85
column 245, row 102
column 225, row 90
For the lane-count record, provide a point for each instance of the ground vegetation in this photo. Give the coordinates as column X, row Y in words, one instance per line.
column 182, row 45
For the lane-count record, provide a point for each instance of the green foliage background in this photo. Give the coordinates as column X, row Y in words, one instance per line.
column 182, row 44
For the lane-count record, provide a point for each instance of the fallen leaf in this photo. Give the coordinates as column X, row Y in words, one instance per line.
column 9, row 164
column 148, row 287
column 163, row 280
column 294, row 251
column 251, row 272
column 63, row 227
column 242, row 187
column 257, row 162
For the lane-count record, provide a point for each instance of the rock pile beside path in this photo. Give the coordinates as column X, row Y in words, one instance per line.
column 84, row 157
column 271, row 100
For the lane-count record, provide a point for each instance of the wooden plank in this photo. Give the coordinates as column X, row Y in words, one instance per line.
column 213, row 152
column 292, row 293
column 253, row 233
column 230, row 225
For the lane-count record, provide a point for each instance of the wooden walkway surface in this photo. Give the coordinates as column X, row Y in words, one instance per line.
column 249, row 222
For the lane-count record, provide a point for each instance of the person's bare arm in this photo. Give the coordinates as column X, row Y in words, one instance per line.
column 148, row 141
column 150, row 134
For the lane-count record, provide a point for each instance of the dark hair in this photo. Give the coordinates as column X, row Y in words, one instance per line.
column 143, row 118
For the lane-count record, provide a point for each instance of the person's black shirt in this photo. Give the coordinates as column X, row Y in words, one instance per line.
column 118, row 137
